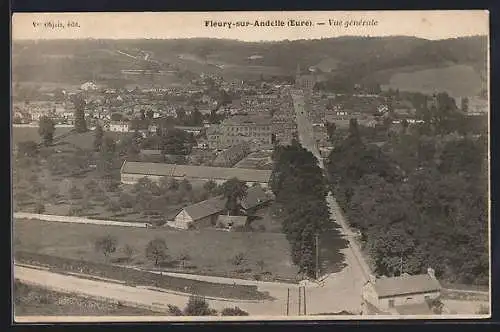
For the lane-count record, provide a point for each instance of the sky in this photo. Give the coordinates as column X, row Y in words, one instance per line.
column 430, row 24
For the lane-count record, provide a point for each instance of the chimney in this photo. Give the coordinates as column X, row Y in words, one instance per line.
column 431, row 272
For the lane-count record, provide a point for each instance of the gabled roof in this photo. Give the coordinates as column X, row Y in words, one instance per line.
column 196, row 172
column 406, row 284
column 255, row 197
column 206, row 208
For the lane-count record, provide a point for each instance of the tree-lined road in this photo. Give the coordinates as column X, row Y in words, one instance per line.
column 351, row 279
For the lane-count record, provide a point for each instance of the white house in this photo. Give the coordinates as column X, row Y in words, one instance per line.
column 396, row 294
column 201, row 214
column 119, row 126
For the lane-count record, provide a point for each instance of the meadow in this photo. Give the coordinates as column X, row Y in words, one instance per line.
column 211, row 252
column 457, row 80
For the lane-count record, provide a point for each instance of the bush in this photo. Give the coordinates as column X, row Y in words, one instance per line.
column 198, row 306
column 75, row 211
column 174, row 310
column 39, row 208
column 106, row 245
column 233, row 312
column 238, row 259
column 114, row 206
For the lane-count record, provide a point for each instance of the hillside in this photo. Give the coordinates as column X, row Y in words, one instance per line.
column 351, row 59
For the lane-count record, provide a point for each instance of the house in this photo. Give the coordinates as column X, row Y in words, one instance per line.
column 201, row 214
column 398, row 295
column 131, row 172
column 231, row 222
column 256, row 197
column 234, row 154
column 119, row 126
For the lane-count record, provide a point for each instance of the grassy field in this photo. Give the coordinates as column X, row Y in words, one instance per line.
column 33, row 301
column 31, row 134
column 457, row 80
column 211, row 252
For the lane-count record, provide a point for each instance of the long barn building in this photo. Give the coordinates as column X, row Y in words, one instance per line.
column 131, row 172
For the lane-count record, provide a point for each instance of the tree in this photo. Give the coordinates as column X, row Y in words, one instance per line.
column 106, row 245
column 107, row 157
column 126, row 201
column 234, row 191
column 156, row 250
column 46, row 130
column 238, row 259
column 39, row 208
column 98, row 137
column 80, row 124
column 210, row 186
column 331, row 129
column 183, row 258
column 196, row 118
column 150, row 114
column 185, row 185
column 236, row 311
column 261, row 264
column 129, row 251
column 198, row 306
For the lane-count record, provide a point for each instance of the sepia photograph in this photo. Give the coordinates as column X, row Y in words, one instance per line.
column 247, row 166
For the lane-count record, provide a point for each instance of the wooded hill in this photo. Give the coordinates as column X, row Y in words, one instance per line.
column 360, row 57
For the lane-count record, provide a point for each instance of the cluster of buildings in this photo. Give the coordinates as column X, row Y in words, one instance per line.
column 253, row 129
column 212, row 212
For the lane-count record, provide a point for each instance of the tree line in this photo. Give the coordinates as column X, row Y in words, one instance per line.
column 420, row 201
column 297, row 181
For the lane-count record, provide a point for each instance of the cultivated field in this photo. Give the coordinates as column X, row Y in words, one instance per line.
column 457, row 80
column 211, row 252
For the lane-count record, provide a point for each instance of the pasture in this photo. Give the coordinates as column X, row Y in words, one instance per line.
column 211, row 252
column 457, row 80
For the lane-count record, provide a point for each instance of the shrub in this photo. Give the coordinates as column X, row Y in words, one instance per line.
column 236, row 311
column 174, row 310
column 198, row 306
column 39, row 208
column 238, row 259
column 106, row 245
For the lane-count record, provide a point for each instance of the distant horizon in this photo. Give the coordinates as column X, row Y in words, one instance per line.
column 242, row 26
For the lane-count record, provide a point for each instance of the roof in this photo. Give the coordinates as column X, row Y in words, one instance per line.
column 414, row 309
column 406, row 284
column 151, row 152
column 196, row 172
column 206, row 208
column 255, row 196
column 232, row 220
column 248, row 119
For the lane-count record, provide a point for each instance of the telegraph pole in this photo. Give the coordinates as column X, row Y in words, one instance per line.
column 288, row 301
column 300, row 304
column 317, row 256
column 305, row 305
column 401, row 263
